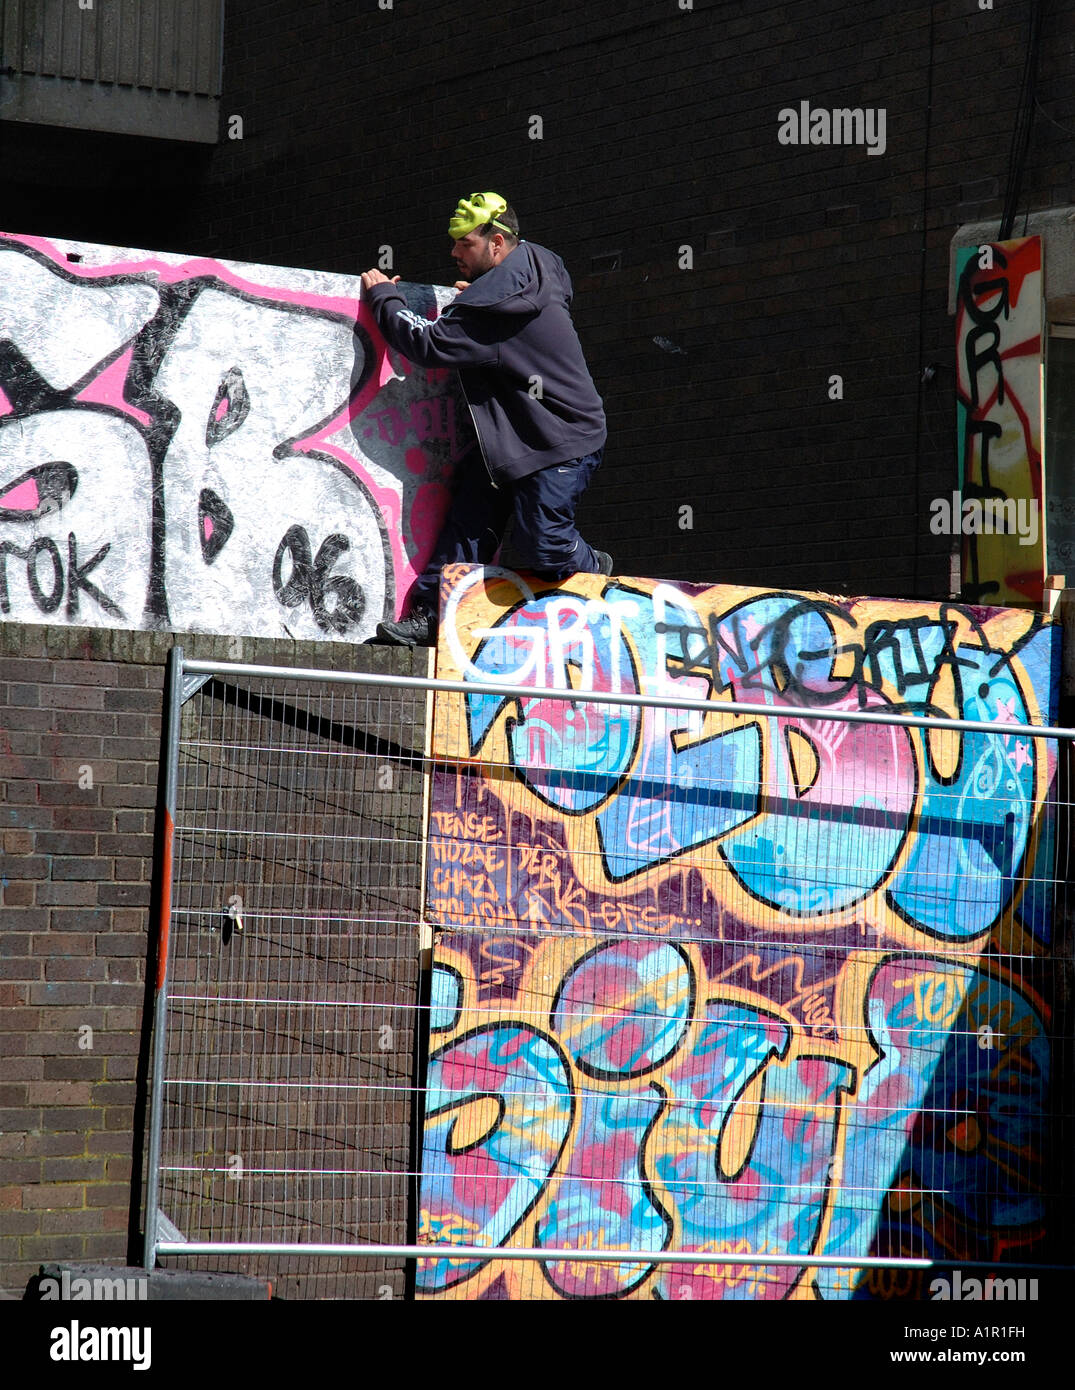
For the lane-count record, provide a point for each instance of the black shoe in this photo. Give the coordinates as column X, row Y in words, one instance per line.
column 604, row 561
column 417, row 630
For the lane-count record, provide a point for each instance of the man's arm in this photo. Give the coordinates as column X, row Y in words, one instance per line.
column 442, row 342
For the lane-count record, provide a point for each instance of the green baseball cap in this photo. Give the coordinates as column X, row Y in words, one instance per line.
column 476, row 211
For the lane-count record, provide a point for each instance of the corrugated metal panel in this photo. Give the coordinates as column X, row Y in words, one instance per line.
column 87, row 57
column 198, row 64
column 207, row 35
column 10, row 35
column 174, row 53
column 127, row 39
column 48, row 25
column 108, row 29
column 165, row 45
column 105, row 106
column 146, row 52
column 22, row 24
column 183, row 21
column 72, row 22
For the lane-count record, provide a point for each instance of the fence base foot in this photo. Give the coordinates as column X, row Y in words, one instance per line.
column 98, row 1283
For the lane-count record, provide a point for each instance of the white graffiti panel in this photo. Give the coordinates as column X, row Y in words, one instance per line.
column 208, row 446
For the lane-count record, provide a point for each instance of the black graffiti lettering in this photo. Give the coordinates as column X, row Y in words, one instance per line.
column 350, row 602
column 988, row 429
column 718, row 643
column 6, row 549
column 976, row 359
column 310, row 580
column 76, row 580
column 49, row 603
column 910, row 667
column 910, row 654
column 855, row 683
column 703, row 655
column 883, row 637
column 1007, row 657
column 789, row 660
column 295, row 544
column 692, row 653
column 686, row 660
column 974, row 291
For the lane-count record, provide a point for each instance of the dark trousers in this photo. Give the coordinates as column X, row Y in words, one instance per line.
column 545, row 536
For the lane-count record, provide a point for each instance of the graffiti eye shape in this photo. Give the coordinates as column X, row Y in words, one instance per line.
column 215, row 524
column 37, row 492
column 477, row 1119
column 230, row 408
column 740, row 1131
column 803, row 761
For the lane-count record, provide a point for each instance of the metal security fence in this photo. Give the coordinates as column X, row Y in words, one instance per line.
column 286, row 1042
column 784, row 1014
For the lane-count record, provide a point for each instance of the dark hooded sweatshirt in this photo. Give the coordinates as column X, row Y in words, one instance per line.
column 520, row 363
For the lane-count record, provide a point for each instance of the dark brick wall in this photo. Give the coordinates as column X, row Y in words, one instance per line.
column 362, row 126
column 76, row 871
column 76, row 866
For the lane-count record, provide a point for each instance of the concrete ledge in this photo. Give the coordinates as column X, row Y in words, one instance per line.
column 91, row 1283
column 40, row 640
column 120, row 110
column 1056, row 227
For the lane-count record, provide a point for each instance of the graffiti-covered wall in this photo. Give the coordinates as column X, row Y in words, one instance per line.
column 209, row 446
column 999, row 317
column 733, row 983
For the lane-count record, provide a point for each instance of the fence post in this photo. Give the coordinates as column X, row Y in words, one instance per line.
column 173, row 713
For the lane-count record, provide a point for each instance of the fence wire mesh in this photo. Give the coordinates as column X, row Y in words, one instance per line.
column 290, row 1063
column 728, row 982
column 801, row 1000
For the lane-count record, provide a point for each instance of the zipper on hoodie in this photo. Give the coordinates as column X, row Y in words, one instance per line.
column 477, row 432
